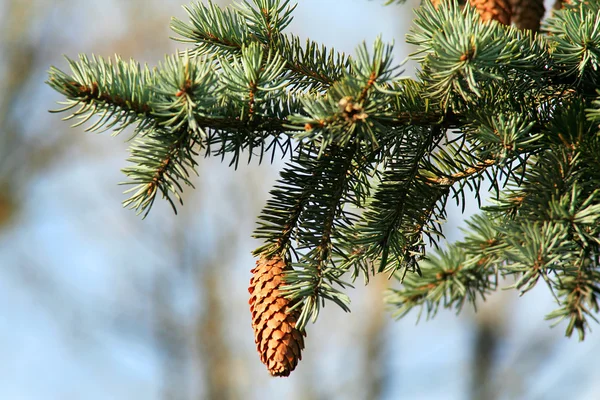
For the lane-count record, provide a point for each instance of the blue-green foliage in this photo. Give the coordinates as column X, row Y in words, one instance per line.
column 373, row 157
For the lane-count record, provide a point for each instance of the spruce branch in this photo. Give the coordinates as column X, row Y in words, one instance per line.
column 579, row 294
column 575, row 36
column 450, row 180
column 446, row 280
column 266, row 19
column 162, row 159
column 462, row 55
column 278, row 222
column 212, row 30
column 373, row 157
column 323, row 218
column 391, row 226
column 187, row 92
column 313, row 222
column 456, row 276
column 117, row 92
column 215, row 31
column 352, row 108
column 254, row 78
column 315, row 67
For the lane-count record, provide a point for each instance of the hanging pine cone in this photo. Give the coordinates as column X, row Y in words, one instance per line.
column 498, row 10
column 527, row 14
column 278, row 341
column 558, row 4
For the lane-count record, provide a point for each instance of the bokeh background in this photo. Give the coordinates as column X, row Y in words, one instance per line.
column 96, row 303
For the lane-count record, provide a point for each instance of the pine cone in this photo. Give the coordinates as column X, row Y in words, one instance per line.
column 527, row 14
column 278, row 341
column 558, row 4
column 498, row 10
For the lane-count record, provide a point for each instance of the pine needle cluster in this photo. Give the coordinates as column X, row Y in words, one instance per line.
column 372, row 156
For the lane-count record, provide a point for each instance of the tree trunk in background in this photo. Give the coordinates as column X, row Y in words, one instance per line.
column 18, row 67
column 171, row 340
column 490, row 327
column 484, row 349
column 213, row 350
column 374, row 373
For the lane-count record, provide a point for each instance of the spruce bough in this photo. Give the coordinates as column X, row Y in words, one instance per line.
column 373, row 157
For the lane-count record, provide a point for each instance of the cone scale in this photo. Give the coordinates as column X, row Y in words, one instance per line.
column 278, row 342
column 527, row 14
column 498, row 10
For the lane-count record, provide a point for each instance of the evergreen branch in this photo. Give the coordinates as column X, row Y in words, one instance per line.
column 225, row 33
column 452, row 179
column 212, row 30
column 352, row 107
column 446, row 280
column 174, row 101
column 593, row 114
column 118, row 92
column 311, row 281
column 575, row 36
column 553, row 232
column 580, row 294
column 524, row 110
column 267, row 18
column 168, row 96
column 322, row 218
column 295, row 212
column 536, row 249
column 311, row 67
column 237, row 134
column 555, row 171
column 578, row 290
column 453, row 277
column 492, row 146
column 460, row 55
column 314, row 67
column 187, row 91
column 279, row 219
column 253, row 79
column 401, row 207
column 162, row 159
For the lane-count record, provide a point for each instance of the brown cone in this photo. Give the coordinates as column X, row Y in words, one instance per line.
column 527, row 14
column 558, row 4
column 278, row 341
column 498, row 10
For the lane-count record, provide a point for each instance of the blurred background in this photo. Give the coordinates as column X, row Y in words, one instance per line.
column 96, row 303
